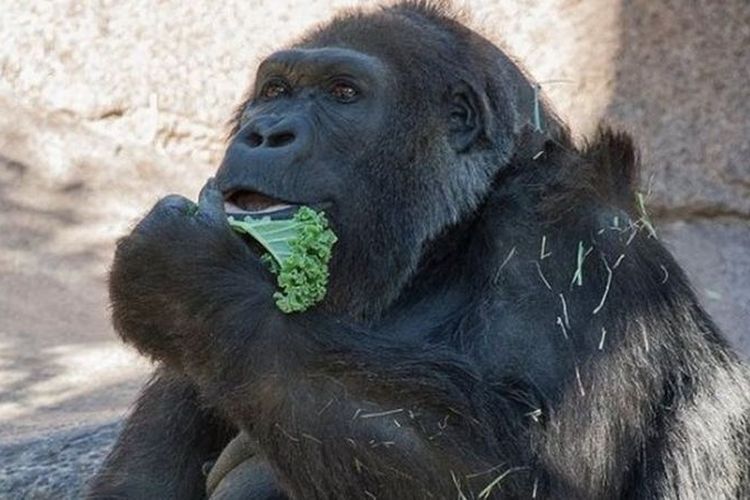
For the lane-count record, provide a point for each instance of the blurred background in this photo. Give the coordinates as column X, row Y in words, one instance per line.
column 105, row 106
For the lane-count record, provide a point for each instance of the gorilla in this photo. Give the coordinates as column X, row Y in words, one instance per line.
column 501, row 319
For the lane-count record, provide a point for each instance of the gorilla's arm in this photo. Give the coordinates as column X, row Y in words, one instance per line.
column 164, row 443
column 338, row 412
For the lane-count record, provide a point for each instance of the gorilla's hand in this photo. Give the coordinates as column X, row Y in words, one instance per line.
column 178, row 270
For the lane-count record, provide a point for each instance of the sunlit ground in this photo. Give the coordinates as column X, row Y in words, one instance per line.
column 74, row 372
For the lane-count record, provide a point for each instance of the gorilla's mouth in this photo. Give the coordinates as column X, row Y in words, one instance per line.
column 242, row 203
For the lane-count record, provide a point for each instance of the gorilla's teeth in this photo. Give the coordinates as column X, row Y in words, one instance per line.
column 231, row 208
column 272, row 208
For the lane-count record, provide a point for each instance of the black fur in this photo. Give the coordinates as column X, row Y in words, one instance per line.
column 502, row 320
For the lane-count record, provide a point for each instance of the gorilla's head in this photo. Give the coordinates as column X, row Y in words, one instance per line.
column 395, row 122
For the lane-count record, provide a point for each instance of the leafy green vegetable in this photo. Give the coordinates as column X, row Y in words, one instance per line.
column 298, row 252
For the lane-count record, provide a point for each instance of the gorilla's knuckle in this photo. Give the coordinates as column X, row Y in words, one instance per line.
column 174, row 201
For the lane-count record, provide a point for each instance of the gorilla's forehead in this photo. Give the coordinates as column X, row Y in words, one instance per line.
column 324, row 61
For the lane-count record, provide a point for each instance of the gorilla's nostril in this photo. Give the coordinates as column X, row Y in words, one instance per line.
column 279, row 140
column 254, row 140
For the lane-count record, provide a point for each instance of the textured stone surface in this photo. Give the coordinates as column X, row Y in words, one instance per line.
column 681, row 86
column 716, row 256
column 53, row 466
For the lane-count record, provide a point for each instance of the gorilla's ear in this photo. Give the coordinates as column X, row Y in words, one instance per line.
column 469, row 116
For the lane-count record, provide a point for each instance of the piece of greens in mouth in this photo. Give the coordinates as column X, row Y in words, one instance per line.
column 297, row 251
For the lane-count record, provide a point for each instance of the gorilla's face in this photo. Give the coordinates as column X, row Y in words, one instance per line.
column 305, row 137
column 382, row 153
column 312, row 116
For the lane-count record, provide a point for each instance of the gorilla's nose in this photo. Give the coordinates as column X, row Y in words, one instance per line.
column 289, row 133
column 264, row 150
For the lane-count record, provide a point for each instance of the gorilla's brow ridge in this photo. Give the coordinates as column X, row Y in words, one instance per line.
column 323, row 62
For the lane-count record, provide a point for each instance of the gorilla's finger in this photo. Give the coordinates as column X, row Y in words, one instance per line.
column 211, row 202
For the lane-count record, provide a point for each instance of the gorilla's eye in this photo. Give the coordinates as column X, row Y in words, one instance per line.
column 343, row 92
column 274, row 89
